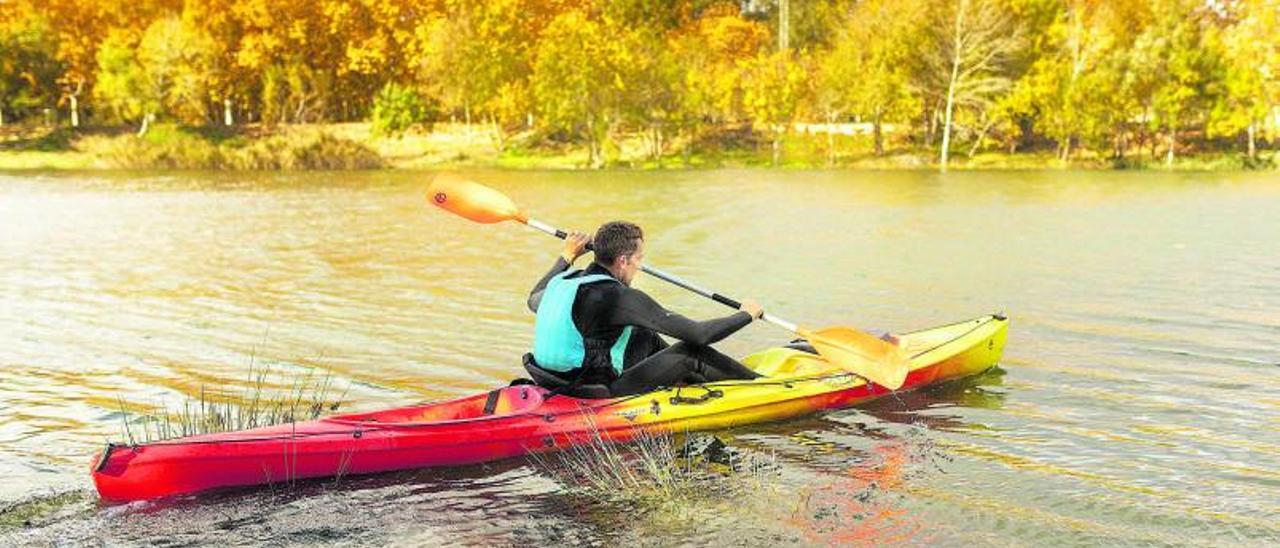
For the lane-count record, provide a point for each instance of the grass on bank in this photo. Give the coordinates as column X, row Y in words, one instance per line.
column 448, row 145
column 173, row 147
column 269, row 398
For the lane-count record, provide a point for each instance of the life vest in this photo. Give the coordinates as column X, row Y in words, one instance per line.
column 557, row 344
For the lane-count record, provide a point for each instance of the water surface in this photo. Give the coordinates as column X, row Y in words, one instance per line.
column 1138, row 402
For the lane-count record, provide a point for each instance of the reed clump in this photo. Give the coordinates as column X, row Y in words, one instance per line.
column 262, row 402
column 657, row 470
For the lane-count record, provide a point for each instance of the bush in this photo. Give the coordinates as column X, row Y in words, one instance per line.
column 301, row 151
column 170, row 147
column 397, row 108
column 163, row 147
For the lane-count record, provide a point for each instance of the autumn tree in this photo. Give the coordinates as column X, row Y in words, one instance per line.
column 709, row 51
column 121, row 84
column 579, row 77
column 477, row 58
column 175, row 59
column 28, row 65
column 1055, row 91
column 1252, row 72
column 227, row 82
column 868, row 73
column 965, row 65
column 1179, row 66
column 775, row 86
column 83, row 26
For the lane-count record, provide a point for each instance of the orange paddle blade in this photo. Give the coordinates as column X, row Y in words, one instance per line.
column 861, row 354
column 472, row 200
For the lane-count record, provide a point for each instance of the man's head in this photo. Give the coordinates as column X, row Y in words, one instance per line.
column 619, row 247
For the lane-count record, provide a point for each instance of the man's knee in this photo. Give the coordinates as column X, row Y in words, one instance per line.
column 679, row 346
column 688, row 348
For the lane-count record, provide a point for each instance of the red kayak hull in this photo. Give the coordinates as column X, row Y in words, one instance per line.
column 516, row 421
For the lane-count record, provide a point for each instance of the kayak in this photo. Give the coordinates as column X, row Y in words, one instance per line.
column 522, row 419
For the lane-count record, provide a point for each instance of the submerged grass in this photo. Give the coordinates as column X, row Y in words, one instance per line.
column 657, row 471
column 38, row 509
column 260, row 403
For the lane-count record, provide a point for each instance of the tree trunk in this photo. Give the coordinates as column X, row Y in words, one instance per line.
column 957, row 44
column 877, row 130
column 946, row 125
column 1253, row 133
column 931, row 126
column 300, row 115
column 1, row 117
column 499, row 137
column 784, row 24
column 227, row 120
column 1173, row 142
column 146, row 124
column 75, row 111
column 982, row 136
column 777, row 145
column 688, row 145
column 594, row 144
column 593, row 153
column 831, row 138
column 658, row 136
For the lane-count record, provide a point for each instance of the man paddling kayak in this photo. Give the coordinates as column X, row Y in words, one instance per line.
column 593, row 328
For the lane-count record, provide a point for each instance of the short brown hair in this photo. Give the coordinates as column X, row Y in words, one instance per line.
column 615, row 239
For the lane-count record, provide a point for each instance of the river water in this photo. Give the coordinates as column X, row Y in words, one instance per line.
column 1138, row 401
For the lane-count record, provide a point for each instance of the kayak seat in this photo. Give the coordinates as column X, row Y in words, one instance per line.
column 553, row 381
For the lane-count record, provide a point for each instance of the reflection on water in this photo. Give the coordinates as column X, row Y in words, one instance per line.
column 1136, row 404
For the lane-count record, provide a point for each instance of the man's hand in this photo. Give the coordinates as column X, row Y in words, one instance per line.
column 751, row 307
column 575, row 245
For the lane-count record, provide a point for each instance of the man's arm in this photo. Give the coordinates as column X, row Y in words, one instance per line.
column 535, row 296
column 636, row 308
column 574, row 246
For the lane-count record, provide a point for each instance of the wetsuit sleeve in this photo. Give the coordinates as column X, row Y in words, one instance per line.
column 535, row 296
column 636, row 308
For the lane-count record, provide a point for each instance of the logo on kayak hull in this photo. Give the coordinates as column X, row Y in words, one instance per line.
column 440, row 197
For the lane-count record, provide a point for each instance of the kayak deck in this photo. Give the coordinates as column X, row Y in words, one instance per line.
column 522, row 419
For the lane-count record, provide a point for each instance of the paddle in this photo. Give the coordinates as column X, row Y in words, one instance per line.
column 850, row 349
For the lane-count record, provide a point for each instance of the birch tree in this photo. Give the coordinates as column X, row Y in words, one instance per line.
column 972, row 39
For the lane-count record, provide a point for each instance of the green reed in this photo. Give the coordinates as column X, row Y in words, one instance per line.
column 654, row 470
column 269, row 397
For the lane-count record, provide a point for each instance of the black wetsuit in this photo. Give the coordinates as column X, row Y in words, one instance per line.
column 602, row 310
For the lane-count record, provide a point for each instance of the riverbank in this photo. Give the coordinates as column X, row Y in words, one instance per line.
column 354, row 146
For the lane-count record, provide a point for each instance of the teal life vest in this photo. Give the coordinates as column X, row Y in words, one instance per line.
column 557, row 344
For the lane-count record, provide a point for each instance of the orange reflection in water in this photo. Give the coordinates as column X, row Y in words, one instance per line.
column 852, row 508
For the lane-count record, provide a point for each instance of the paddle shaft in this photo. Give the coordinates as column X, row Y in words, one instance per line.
column 676, row 280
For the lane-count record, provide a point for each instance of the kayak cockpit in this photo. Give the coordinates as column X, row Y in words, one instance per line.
column 510, row 400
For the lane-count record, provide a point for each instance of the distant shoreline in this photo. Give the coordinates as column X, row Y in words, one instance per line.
column 445, row 146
